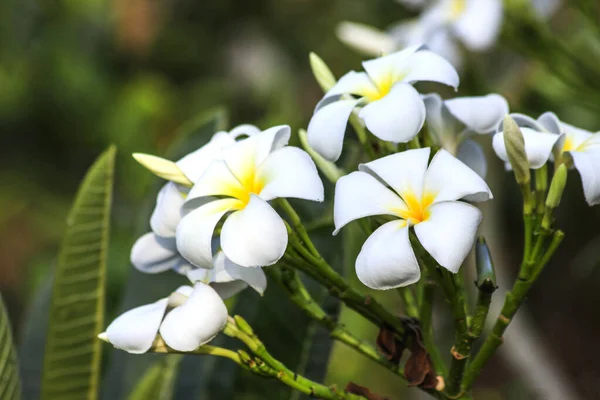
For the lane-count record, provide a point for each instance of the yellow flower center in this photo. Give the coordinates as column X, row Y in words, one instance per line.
column 417, row 210
column 383, row 85
column 249, row 183
column 457, row 8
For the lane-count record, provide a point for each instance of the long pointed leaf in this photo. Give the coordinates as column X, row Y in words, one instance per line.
column 10, row 384
column 72, row 352
column 158, row 381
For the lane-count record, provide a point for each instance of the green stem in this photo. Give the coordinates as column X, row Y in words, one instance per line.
column 362, row 135
column 541, row 186
column 512, row 302
column 410, row 303
column 425, row 316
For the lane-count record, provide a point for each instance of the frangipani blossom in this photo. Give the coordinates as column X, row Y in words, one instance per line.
column 187, row 319
column 539, row 135
column 424, row 198
column 390, row 106
column 452, row 122
column 250, row 173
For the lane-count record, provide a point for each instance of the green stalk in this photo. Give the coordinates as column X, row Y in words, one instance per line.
column 425, row 317
column 541, row 186
column 410, row 303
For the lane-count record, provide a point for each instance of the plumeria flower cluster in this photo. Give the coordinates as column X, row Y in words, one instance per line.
column 442, row 25
column 549, row 139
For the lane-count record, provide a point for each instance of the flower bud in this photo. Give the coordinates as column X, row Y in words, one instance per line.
column 486, row 275
column 243, row 325
column 557, row 186
column 515, row 150
column 321, row 72
column 329, row 169
column 163, row 168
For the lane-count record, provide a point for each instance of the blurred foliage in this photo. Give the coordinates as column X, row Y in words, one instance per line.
column 10, row 384
column 76, row 76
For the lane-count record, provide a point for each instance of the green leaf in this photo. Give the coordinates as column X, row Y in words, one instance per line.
column 158, row 381
column 72, row 353
column 125, row 370
column 10, row 384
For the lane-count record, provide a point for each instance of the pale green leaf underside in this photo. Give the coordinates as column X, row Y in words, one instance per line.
column 72, row 354
column 10, row 383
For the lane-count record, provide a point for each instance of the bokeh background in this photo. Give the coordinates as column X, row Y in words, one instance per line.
column 76, row 76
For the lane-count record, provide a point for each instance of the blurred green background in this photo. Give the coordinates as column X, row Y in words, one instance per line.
column 76, row 76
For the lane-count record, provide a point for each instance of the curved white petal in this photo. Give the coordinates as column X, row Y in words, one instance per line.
column 447, row 178
column 194, row 164
column 152, row 254
column 227, row 270
column 397, row 117
column 574, row 135
column 391, row 67
column 387, row 260
column 353, row 82
column 217, row 180
column 167, row 212
column 479, row 25
column 480, row 114
column 135, row 330
column 195, row 231
column 226, row 290
column 444, row 128
column 359, row 195
column 364, row 38
column 523, row 121
column 449, row 232
column 404, row 172
column 327, row 128
column 243, row 157
column 255, row 236
column 538, row 146
column 290, row 172
column 588, row 165
column 243, row 130
column 195, row 322
column 425, row 65
column 471, row 153
column 550, row 123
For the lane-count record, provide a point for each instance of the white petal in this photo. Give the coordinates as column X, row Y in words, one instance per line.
column 195, row 231
column 290, row 172
column 243, row 130
column 167, row 212
column 471, row 153
column 217, row 180
column 226, row 290
column 387, row 260
column 135, row 330
column 550, row 123
column 444, row 128
column 449, row 232
column 364, row 38
column 404, row 172
column 359, row 195
column 327, row 128
column 588, row 165
column 228, row 271
column 194, row 164
column 575, row 135
column 153, row 254
column 390, row 67
column 353, row 82
column 442, row 42
column 255, row 236
column 195, row 322
column 523, row 121
column 425, row 65
column 245, row 156
column 397, row 117
column 479, row 25
column 538, row 146
column 447, row 178
column 480, row 114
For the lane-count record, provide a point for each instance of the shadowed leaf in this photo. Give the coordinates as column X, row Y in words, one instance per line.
column 10, row 384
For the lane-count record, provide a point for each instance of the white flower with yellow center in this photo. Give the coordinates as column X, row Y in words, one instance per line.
column 547, row 137
column 452, row 122
column 420, row 197
column 250, row 173
column 390, row 106
column 187, row 319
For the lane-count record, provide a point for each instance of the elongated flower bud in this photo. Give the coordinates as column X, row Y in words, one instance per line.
column 557, row 186
column 321, row 72
column 243, row 325
column 486, row 275
column 515, row 149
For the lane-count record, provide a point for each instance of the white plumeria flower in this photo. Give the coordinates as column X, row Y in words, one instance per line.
column 540, row 137
column 250, row 173
column 452, row 122
column 424, row 198
column 391, row 107
column 548, row 135
column 186, row 320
